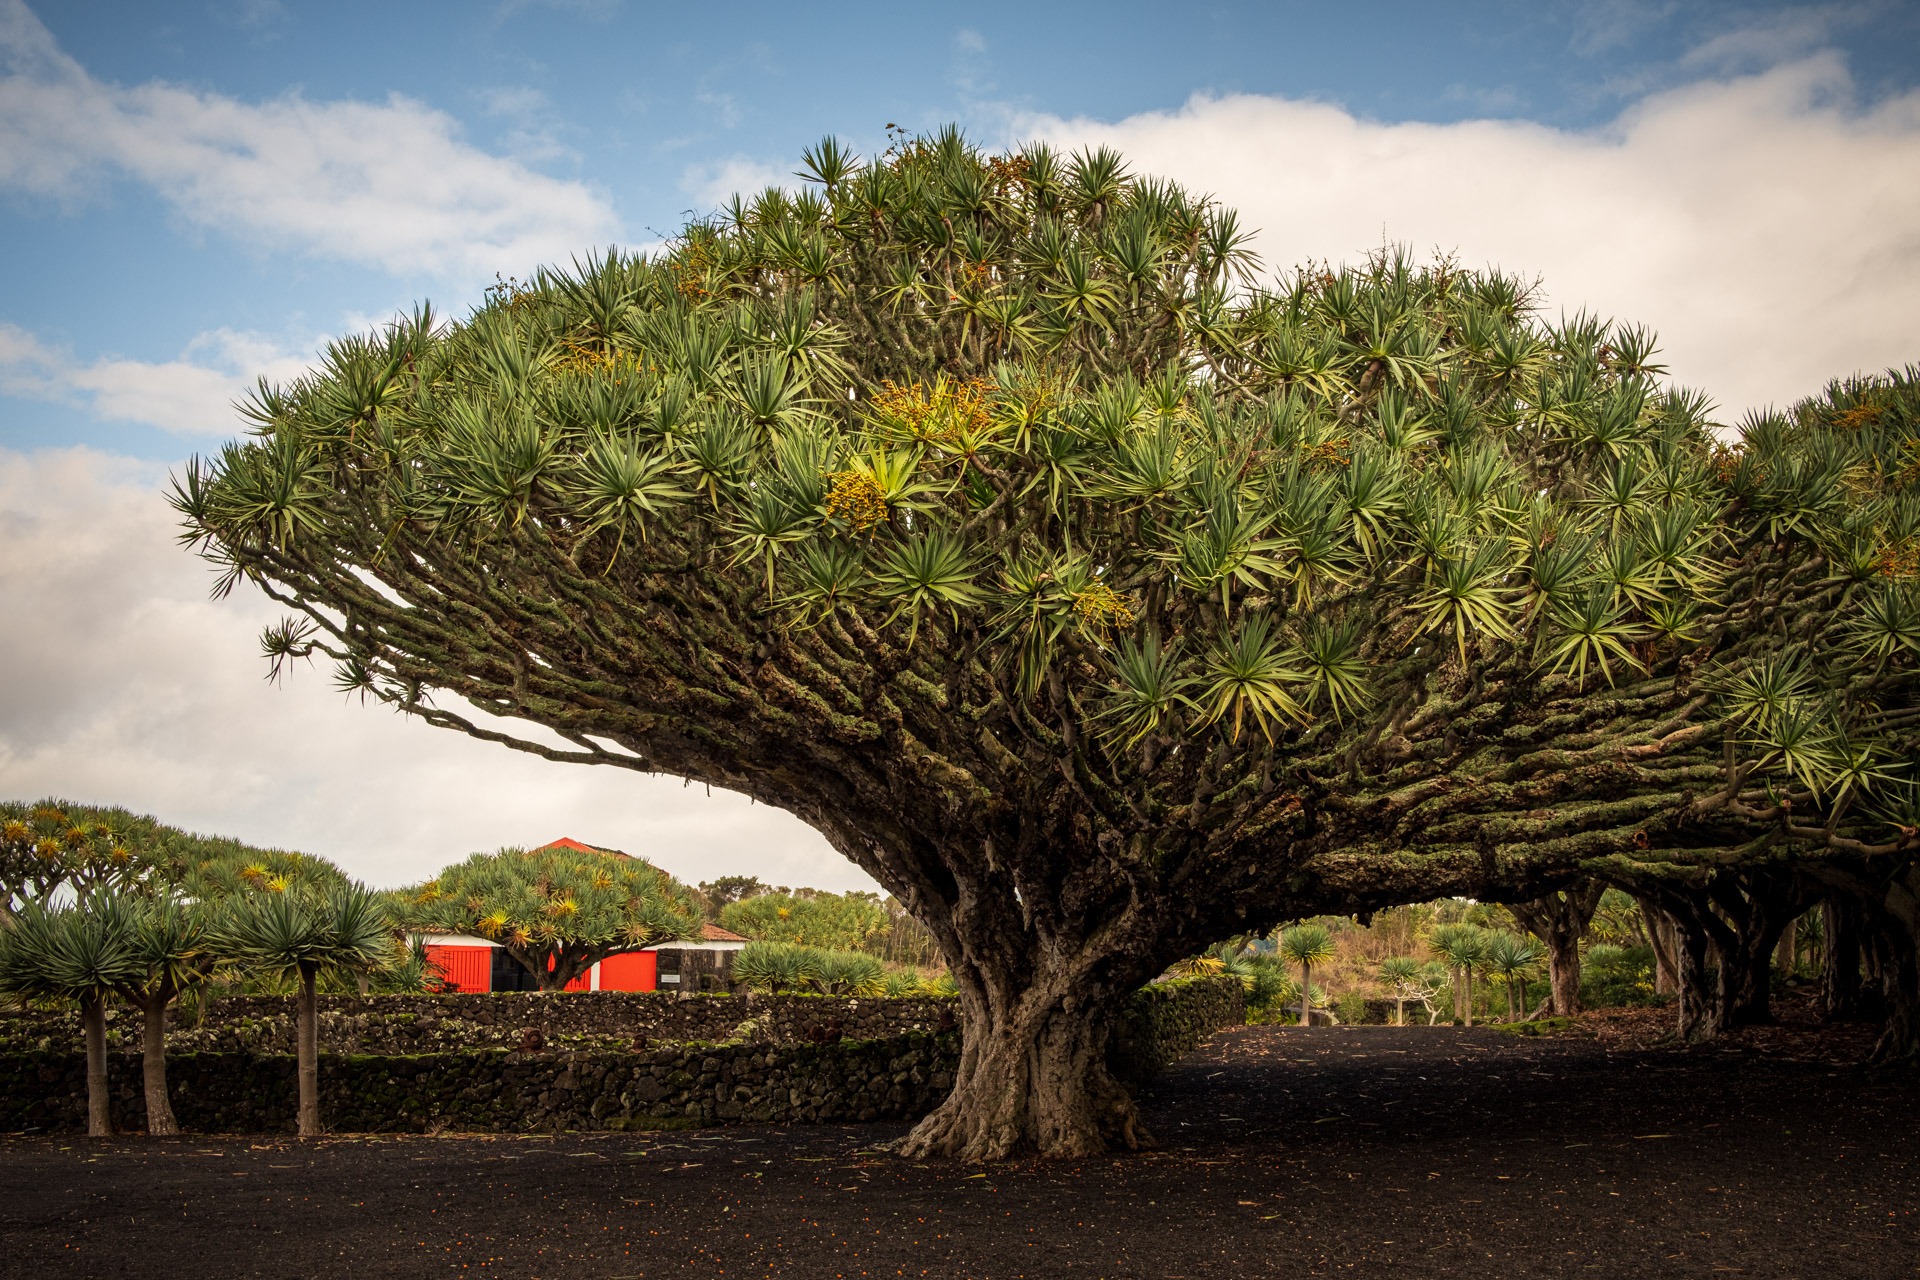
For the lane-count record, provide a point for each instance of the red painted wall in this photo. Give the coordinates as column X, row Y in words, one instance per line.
column 467, row 968
column 633, row 971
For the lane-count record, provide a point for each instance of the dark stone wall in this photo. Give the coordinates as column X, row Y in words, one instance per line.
column 496, row 1091
column 1165, row 1021
column 602, row 1080
column 580, row 1020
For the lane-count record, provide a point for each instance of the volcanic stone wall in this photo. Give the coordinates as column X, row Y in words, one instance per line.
column 607, row 1085
column 580, row 1020
column 496, row 1091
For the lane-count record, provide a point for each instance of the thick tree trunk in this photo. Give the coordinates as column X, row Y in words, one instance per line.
column 1896, row 944
column 1900, row 987
column 1840, row 920
column 1033, row 1075
column 1563, row 975
column 153, row 1065
column 1759, row 907
column 1746, row 983
column 1787, row 954
column 1739, row 916
column 307, row 1036
column 1560, row 920
column 93, row 1017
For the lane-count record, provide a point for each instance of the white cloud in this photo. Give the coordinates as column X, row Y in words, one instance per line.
column 533, row 135
column 1603, row 25
column 725, row 108
column 127, row 685
column 1765, row 225
column 713, row 185
column 385, row 184
column 1769, row 40
column 191, row 395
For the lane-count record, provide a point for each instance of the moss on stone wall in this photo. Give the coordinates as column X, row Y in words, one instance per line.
column 493, row 1089
column 1165, row 1021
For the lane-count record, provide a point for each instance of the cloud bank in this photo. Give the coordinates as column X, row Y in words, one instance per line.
column 1767, row 225
column 191, row 395
column 127, row 685
column 389, row 184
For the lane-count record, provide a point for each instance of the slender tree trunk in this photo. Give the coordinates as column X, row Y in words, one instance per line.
column 1666, row 965
column 1840, row 919
column 1560, row 920
column 1306, row 994
column 1466, row 977
column 1787, row 953
column 1033, row 1074
column 153, row 1064
column 93, row 1017
column 308, row 1043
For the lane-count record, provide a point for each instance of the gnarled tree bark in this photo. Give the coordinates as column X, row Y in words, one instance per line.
column 1560, row 920
column 1841, row 920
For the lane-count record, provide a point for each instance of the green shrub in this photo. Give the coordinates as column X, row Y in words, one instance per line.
column 1611, row 976
column 839, row 922
column 850, row 973
column 774, row 967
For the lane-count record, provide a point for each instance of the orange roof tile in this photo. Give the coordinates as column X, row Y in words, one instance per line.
column 565, row 842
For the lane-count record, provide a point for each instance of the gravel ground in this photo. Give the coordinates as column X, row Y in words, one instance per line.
column 1426, row 1151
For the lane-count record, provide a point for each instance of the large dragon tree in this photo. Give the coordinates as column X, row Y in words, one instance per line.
column 979, row 510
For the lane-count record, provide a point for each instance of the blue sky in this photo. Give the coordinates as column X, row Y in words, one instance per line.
column 199, row 193
column 648, row 111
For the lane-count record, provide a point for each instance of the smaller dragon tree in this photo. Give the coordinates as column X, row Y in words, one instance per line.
column 558, row 911
column 48, row 846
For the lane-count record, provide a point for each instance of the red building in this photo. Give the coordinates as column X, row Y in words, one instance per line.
column 477, row 964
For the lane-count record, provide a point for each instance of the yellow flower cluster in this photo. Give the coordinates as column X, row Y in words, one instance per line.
column 509, row 292
column 979, row 275
column 1863, row 415
column 583, row 357
column 691, row 270
column 1006, row 172
column 857, row 499
column 1901, row 560
column 1100, row 607
column 939, row 416
column 1331, row 453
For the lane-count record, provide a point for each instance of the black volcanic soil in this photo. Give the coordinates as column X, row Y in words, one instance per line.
column 1285, row 1153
